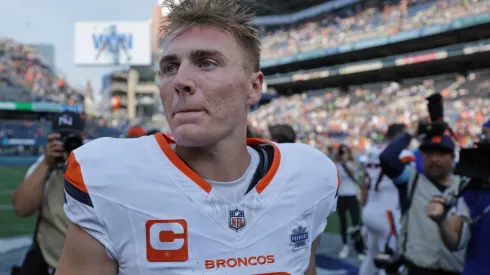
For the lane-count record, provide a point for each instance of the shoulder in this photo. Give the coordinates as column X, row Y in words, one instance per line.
column 100, row 162
column 407, row 156
column 304, row 155
column 34, row 166
column 313, row 167
column 109, row 147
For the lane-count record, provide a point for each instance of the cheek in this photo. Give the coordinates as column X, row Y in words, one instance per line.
column 449, row 162
column 166, row 97
column 227, row 100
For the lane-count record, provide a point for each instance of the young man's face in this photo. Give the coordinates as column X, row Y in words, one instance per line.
column 206, row 86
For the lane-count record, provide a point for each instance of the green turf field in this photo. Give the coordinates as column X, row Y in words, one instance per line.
column 10, row 224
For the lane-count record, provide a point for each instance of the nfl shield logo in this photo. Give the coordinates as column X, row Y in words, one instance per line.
column 237, row 219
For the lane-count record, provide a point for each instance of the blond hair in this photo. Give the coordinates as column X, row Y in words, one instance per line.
column 224, row 14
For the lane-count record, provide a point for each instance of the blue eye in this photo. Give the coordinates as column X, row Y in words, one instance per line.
column 207, row 64
column 170, row 69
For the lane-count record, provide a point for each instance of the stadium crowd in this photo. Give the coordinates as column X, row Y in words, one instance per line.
column 360, row 117
column 24, row 77
column 353, row 24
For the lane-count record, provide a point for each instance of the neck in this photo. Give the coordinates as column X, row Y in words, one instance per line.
column 225, row 161
column 445, row 181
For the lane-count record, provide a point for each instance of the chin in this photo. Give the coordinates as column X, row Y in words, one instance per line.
column 192, row 135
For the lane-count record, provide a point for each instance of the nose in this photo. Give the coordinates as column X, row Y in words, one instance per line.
column 183, row 82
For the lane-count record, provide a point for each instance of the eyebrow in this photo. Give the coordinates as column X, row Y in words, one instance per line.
column 201, row 53
column 168, row 58
column 195, row 54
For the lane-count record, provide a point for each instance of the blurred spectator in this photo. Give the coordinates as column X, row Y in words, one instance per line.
column 347, row 195
column 486, row 129
column 282, row 133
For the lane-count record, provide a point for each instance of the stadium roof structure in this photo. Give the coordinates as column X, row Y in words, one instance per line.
column 278, row 7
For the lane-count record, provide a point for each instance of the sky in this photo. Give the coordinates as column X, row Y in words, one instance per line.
column 53, row 22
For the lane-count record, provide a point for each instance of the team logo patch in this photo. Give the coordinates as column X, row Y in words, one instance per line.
column 299, row 238
column 166, row 241
column 237, row 219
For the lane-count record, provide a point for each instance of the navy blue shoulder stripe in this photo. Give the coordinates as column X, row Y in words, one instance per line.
column 78, row 194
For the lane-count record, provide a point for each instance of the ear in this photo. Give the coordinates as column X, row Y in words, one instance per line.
column 254, row 94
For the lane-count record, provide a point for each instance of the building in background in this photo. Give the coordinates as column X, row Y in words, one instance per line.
column 132, row 93
column 45, row 52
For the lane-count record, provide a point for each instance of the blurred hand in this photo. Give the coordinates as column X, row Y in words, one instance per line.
column 436, row 208
column 53, row 150
column 413, row 128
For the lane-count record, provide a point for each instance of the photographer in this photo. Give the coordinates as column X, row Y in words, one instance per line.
column 458, row 229
column 42, row 191
column 420, row 244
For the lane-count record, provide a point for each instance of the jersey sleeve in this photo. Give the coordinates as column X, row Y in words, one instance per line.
column 33, row 167
column 328, row 204
column 79, row 205
column 407, row 156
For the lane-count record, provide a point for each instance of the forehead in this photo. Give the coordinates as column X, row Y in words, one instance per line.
column 437, row 152
column 201, row 37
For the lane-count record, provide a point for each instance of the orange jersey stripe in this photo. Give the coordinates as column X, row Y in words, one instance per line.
column 391, row 221
column 73, row 173
column 163, row 142
column 407, row 159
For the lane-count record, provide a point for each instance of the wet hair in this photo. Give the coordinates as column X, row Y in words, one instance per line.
column 228, row 15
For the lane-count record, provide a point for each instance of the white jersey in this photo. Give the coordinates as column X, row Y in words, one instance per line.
column 348, row 187
column 381, row 190
column 155, row 215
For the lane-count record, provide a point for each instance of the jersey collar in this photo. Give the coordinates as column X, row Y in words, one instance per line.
column 164, row 143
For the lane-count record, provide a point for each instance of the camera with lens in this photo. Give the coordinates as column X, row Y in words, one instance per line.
column 71, row 141
column 437, row 126
column 474, row 164
column 69, row 126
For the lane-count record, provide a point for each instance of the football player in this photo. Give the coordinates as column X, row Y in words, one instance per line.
column 380, row 214
column 210, row 201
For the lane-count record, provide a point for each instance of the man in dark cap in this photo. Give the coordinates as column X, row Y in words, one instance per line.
column 420, row 242
column 42, row 191
column 459, row 230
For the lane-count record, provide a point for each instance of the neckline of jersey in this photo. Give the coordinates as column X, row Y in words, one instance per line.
column 165, row 141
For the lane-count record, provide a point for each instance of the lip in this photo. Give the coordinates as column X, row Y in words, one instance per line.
column 187, row 112
column 183, row 111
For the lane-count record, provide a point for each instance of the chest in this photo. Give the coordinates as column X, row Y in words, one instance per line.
column 213, row 236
